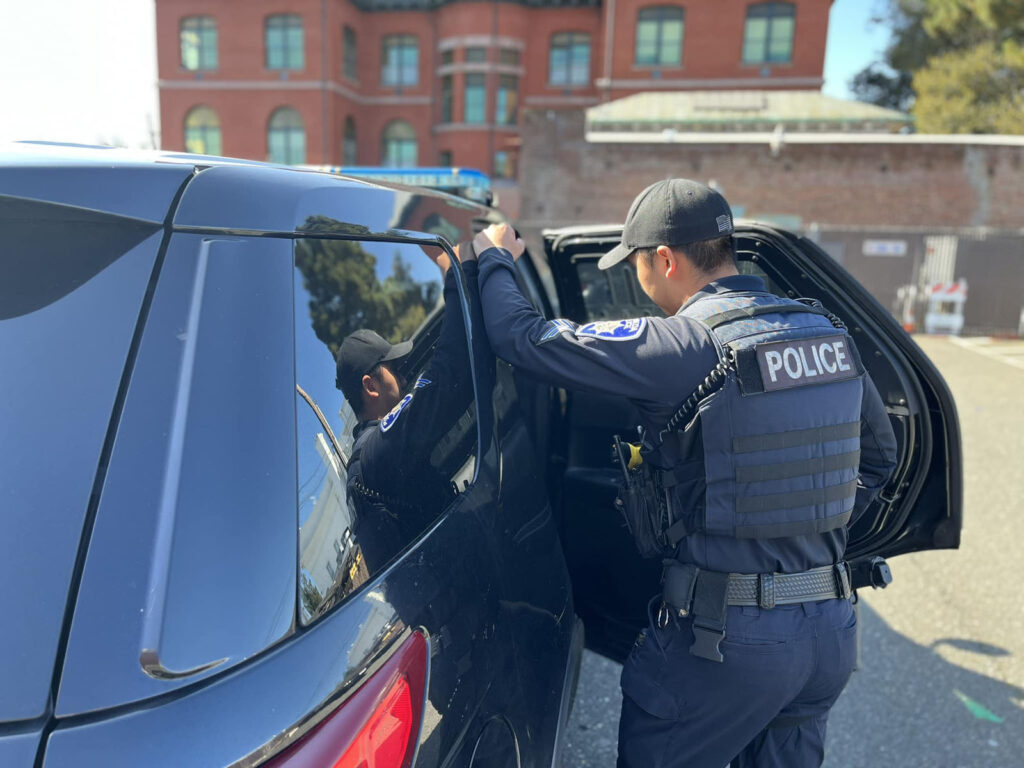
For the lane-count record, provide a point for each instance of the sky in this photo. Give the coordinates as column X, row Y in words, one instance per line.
column 91, row 76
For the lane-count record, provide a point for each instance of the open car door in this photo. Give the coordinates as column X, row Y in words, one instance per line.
column 920, row 509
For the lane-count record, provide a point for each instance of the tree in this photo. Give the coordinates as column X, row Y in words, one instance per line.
column 973, row 91
column 346, row 295
column 888, row 83
column 958, row 65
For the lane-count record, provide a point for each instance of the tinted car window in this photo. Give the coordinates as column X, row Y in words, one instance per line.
column 612, row 294
column 72, row 284
column 360, row 506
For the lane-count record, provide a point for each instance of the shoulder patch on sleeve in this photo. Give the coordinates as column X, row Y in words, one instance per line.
column 613, row 330
column 556, row 328
column 389, row 421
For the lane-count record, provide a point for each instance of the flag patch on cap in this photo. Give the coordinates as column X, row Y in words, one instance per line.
column 613, row 330
column 724, row 223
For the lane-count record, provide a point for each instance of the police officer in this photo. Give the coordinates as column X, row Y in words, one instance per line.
column 397, row 480
column 763, row 440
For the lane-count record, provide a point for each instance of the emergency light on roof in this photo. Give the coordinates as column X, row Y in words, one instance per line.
column 464, row 182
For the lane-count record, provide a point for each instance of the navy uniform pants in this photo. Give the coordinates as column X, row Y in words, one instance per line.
column 766, row 705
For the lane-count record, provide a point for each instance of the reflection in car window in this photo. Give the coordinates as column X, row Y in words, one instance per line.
column 384, row 396
column 615, row 293
column 612, row 294
column 748, row 267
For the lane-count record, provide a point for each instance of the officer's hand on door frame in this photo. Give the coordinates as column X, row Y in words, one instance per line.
column 500, row 236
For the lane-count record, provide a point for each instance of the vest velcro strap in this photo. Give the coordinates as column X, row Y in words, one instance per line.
column 744, row 313
column 748, row 373
column 796, row 499
column 787, row 469
column 777, row 440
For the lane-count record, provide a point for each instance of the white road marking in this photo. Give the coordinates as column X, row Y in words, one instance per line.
column 1009, row 352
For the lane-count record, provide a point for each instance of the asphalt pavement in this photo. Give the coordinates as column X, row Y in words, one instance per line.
column 941, row 678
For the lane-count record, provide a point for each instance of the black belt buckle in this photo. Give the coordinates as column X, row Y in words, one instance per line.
column 842, row 575
column 705, row 642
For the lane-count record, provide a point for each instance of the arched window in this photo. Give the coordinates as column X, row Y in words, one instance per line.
column 399, row 145
column 198, row 37
column 202, row 132
column 659, row 37
column 285, row 43
column 400, row 61
column 768, row 35
column 349, row 153
column 286, row 137
column 569, row 59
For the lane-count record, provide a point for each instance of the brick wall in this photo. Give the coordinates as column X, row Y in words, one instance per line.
column 565, row 179
column 839, row 194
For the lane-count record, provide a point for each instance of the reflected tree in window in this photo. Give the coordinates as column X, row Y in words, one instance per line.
column 198, row 39
column 202, row 132
column 346, row 293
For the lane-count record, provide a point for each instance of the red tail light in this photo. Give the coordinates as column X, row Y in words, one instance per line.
column 377, row 727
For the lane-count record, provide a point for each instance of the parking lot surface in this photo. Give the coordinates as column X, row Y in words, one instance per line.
column 941, row 678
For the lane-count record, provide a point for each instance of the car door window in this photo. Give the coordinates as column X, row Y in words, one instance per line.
column 369, row 487
column 611, row 294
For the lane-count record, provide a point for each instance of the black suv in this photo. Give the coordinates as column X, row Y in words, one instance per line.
column 185, row 579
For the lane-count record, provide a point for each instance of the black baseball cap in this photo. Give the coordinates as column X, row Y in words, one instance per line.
column 671, row 212
column 359, row 353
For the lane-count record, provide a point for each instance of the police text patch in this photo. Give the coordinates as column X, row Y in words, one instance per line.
column 798, row 362
column 613, row 330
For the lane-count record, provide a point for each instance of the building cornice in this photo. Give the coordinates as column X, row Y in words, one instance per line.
column 650, row 84
column 560, row 101
column 780, row 139
column 428, row 5
column 466, row 127
column 295, row 85
column 480, row 41
column 485, row 67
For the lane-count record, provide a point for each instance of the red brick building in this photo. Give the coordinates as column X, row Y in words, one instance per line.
column 431, row 82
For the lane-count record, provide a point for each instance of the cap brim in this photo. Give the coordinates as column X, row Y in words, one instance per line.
column 614, row 256
column 398, row 351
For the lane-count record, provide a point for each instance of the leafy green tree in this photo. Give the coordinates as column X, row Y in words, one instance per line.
column 958, row 65
column 977, row 90
column 311, row 597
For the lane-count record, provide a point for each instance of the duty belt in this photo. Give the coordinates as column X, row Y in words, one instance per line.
column 687, row 589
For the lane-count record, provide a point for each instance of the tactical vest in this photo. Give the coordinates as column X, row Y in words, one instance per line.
column 779, row 439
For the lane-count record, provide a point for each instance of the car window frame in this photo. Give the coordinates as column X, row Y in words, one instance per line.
column 482, row 441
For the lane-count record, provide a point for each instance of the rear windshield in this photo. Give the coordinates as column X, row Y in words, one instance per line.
column 72, row 283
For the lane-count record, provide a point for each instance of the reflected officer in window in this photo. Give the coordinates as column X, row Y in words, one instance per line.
column 763, row 440
column 410, row 439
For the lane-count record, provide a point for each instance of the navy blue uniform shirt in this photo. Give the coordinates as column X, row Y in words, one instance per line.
column 656, row 365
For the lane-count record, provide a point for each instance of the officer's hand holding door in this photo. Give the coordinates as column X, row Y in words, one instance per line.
column 499, row 236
